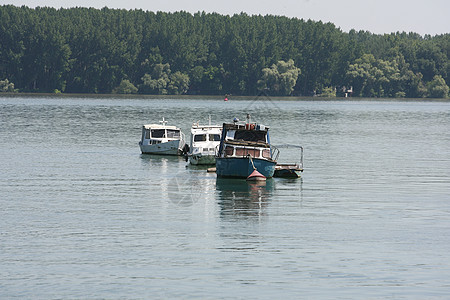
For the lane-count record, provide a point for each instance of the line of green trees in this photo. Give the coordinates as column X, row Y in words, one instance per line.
column 87, row 50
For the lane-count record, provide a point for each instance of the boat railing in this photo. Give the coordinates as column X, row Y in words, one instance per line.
column 299, row 164
column 275, row 153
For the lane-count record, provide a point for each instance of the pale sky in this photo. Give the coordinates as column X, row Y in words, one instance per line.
column 377, row 16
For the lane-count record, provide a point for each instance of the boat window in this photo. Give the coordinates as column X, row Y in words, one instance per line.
column 246, row 151
column 147, row 134
column 228, row 151
column 240, row 152
column 230, row 134
column 250, row 135
column 173, row 134
column 199, row 137
column 214, row 137
column 158, row 133
column 252, row 152
column 266, row 153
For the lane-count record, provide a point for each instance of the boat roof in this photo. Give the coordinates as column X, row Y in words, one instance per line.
column 159, row 126
column 206, row 128
column 197, row 126
column 246, row 143
column 241, row 126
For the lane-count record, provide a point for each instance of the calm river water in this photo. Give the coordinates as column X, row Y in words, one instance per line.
column 85, row 215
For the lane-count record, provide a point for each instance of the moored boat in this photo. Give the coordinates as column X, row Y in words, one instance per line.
column 204, row 140
column 243, row 148
column 162, row 139
column 290, row 170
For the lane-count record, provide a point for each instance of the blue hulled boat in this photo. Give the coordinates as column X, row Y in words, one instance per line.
column 243, row 148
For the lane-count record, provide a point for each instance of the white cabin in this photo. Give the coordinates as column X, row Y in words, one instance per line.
column 162, row 139
column 204, row 140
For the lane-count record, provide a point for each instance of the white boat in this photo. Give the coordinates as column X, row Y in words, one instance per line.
column 162, row 139
column 204, row 140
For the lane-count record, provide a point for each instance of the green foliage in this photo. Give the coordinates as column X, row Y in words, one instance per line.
column 437, row 88
column 400, row 95
column 370, row 75
column 6, row 86
column 280, row 79
column 87, row 50
column 163, row 82
column 374, row 77
column 178, row 83
column 125, row 87
column 328, row 92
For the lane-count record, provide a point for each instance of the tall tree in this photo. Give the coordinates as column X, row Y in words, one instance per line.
column 280, row 78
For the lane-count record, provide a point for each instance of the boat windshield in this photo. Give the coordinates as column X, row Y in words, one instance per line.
column 250, row 135
column 173, row 134
column 158, row 133
column 200, row 138
column 214, row 137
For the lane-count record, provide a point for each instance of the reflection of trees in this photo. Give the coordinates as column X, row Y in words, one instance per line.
column 240, row 197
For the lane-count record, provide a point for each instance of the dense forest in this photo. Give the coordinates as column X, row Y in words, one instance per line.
column 87, row 50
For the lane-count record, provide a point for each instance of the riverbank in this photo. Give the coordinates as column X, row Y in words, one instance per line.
column 215, row 97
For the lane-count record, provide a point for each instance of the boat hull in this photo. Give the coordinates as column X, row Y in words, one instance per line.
column 288, row 171
column 168, row 148
column 242, row 167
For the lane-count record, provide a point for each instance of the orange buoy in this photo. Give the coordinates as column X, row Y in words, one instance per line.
column 256, row 176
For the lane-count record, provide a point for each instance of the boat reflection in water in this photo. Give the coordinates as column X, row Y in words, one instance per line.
column 160, row 162
column 244, row 198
